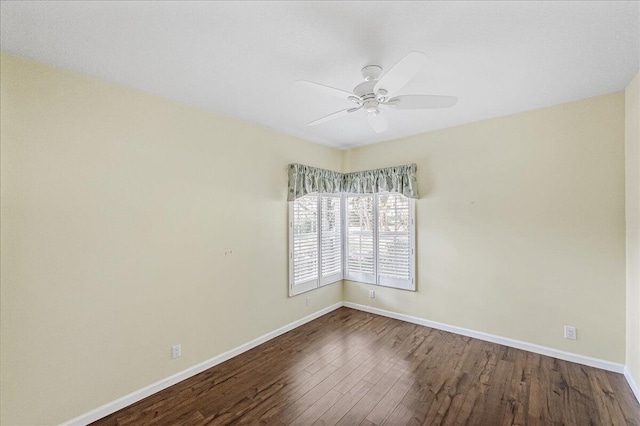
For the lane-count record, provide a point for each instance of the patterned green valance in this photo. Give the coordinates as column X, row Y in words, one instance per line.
column 305, row 179
column 400, row 179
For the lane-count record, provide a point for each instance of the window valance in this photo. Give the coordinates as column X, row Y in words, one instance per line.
column 400, row 179
column 306, row 179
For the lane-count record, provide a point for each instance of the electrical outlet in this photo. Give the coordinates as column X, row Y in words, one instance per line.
column 176, row 351
column 308, row 301
column 372, row 294
column 570, row 332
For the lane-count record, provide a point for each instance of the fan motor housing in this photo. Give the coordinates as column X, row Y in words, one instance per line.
column 364, row 90
column 370, row 100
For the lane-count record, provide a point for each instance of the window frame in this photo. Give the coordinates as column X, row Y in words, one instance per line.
column 375, row 279
column 319, row 280
column 390, row 282
column 338, row 276
column 361, row 277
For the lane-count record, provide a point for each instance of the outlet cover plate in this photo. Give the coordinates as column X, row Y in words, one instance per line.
column 570, row 332
column 176, row 351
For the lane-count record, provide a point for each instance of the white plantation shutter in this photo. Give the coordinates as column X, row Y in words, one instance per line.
column 395, row 241
column 331, row 238
column 368, row 238
column 315, row 242
column 360, row 247
column 303, row 243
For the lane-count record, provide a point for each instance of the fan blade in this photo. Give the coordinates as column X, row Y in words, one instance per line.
column 421, row 101
column 379, row 122
column 400, row 74
column 327, row 90
column 333, row 116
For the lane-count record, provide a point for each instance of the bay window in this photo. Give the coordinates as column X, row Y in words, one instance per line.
column 368, row 238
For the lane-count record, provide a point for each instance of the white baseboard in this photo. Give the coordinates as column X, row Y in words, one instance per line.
column 518, row 344
column 632, row 384
column 140, row 394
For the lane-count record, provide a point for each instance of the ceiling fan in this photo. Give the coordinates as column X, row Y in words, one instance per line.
column 375, row 93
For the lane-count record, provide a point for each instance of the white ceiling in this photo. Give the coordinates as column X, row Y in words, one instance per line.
column 241, row 59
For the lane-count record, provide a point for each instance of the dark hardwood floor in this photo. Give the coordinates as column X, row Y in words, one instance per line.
column 353, row 368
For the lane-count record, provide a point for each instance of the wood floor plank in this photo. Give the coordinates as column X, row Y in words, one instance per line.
column 479, row 369
column 390, row 400
column 271, row 408
column 608, row 405
column 301, row 404
column 333, row 415
column 318, row 409
column 360, row 411
column 449, row 380
column 624, row 395
column 326, row 359
column 409, row 411
column 394, row 344
column 538, row 412
column 581, row 403
column 349, row 367
column 361, row 355
column 517, row 391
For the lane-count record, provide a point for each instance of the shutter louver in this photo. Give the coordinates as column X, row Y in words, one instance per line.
column 394, row 241
column 360, row 238
column 331, row 239
column 305, row 240
column 367, row 238
column 393, row 236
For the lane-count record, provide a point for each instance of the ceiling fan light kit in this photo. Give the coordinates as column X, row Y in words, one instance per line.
column 374, row 94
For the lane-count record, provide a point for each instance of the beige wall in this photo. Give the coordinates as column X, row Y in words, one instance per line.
column 632, row 157
column 117, row 208
column 520, row 226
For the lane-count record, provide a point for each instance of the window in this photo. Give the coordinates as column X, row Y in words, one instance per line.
column 360, row 239
column 396, row 260
column 380, row 240
column 374, row 242
column 304, row 244
column 331, row 238
column 315, row 242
